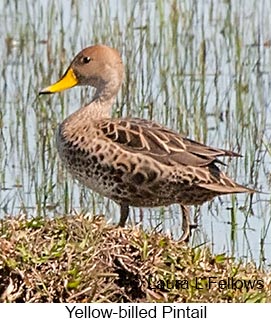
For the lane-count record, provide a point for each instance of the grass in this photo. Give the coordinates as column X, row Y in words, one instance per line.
column 75, row 259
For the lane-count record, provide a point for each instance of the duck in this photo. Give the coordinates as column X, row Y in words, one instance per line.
column 134, row 162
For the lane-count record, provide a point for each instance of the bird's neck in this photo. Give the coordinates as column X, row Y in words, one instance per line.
column 103, row 99
column 98, row 108
column 101, row 104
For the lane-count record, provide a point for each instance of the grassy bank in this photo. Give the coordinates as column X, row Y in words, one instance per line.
column 74, row 259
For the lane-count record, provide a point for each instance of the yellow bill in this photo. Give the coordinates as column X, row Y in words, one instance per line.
column 67, row 81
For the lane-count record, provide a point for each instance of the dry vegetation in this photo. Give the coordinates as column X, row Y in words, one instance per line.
column 73, row 259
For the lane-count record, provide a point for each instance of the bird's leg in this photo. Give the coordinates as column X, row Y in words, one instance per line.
column 187, row 226
column 124, row 212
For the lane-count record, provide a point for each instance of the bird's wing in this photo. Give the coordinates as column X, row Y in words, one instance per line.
column 164, row 145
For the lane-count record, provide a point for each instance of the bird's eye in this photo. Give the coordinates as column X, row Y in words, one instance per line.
column 86, row 59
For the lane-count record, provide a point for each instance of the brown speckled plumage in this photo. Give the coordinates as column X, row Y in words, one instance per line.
column 134, row 162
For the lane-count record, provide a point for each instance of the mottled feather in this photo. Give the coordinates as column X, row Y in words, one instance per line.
column 160, row 143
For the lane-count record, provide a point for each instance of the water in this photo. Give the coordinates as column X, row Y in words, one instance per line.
column 199, row 67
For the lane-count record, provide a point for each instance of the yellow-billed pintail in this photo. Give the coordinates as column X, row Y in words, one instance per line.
column 134, row 162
